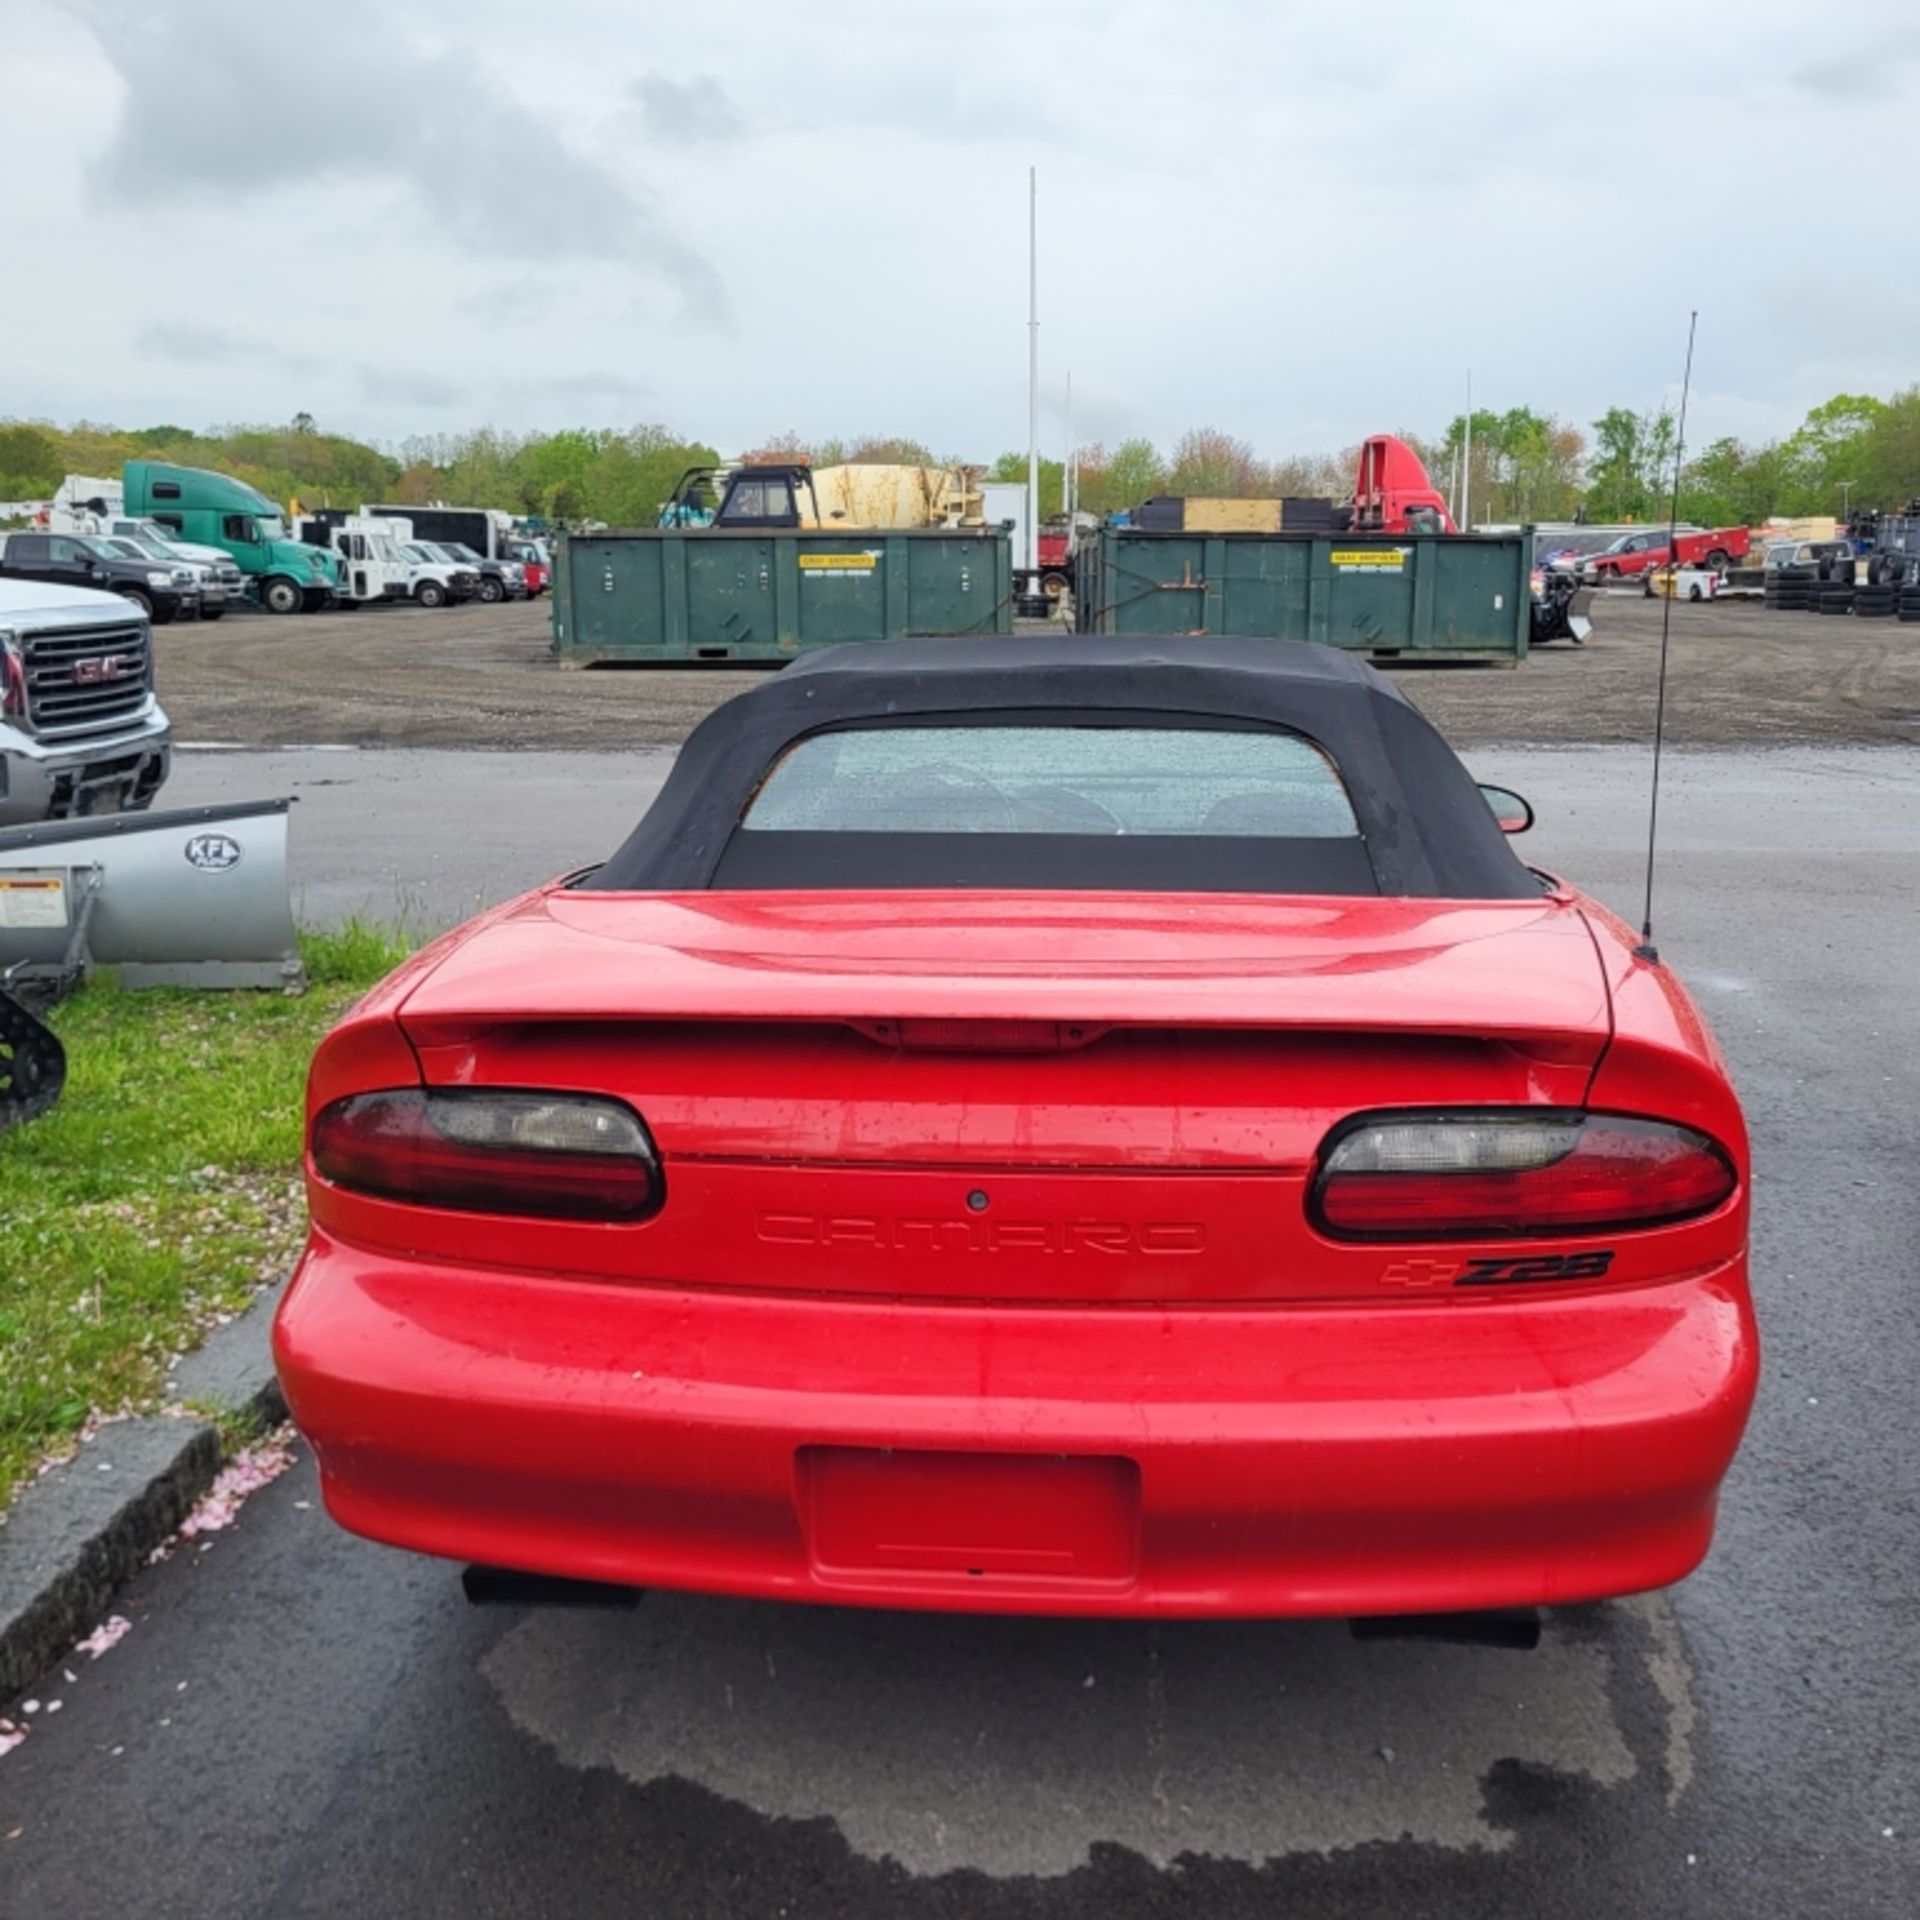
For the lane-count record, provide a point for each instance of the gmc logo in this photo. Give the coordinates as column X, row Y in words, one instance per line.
column 102, row 667
column 933, row 1234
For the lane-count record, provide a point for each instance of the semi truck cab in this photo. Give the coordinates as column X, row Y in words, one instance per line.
column 214, row 508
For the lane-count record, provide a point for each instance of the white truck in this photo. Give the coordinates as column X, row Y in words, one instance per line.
column 376, row 569
column 383, row 561
column 80, row 729
column 83, row 504
column 436, row 579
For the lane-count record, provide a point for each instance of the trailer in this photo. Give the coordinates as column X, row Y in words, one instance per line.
column 657, row 596
column 487, row 530
column 1417, row 596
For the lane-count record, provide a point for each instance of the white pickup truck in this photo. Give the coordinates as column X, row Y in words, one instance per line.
column 80, row 729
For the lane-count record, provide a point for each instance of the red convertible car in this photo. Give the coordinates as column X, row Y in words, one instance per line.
column 1074, row 1125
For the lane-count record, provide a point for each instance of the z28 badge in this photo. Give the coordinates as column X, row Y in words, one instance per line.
column 1421, row 1275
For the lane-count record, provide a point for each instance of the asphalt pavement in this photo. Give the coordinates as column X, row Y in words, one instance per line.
column 300, row 1723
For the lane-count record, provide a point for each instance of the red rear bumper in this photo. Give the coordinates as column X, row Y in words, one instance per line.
column 1417, row 1457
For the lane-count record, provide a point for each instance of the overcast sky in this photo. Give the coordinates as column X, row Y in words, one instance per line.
column 1300, row 222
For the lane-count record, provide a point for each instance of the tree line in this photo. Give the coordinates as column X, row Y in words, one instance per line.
column 1854, row 450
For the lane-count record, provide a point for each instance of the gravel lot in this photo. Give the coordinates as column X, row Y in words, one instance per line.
column 482, row 677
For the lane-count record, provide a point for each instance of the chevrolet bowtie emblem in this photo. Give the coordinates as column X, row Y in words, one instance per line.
column 1420, row 1274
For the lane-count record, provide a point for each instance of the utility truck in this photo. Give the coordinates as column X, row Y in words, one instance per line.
column 375, row 568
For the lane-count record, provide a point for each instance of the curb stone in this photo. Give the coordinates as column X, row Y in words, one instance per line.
column 80, row 1532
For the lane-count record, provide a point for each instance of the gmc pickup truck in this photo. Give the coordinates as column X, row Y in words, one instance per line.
column 80, row 730
column 1636, row 553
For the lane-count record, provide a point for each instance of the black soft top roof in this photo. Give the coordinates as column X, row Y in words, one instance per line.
column 1427, row 829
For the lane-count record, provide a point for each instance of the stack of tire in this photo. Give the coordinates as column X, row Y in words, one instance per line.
column 1883, row 595
column 1838, row 586
column 1790, row 588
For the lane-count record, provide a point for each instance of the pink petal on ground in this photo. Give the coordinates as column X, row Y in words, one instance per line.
column 247, row 1472
column 109, row 1633
column 10, row 1736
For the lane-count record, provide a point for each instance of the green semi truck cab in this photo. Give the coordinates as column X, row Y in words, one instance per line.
column 219, row 511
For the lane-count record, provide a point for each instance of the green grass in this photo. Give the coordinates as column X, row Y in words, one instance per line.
column 160, row 1193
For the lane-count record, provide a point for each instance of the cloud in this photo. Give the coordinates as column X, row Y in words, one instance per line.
column 398, row 387
column 512, row 303
column 487, row 172
column 1865, row 73
column 579, row 388
column 685, row 112
column 413, row 388
column 196, row 345
column 432, row 190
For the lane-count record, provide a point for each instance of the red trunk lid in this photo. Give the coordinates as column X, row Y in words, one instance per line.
column 1146, row 1131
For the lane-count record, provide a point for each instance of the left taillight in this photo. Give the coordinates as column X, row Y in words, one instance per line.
column 556, row 1156
column 1514, row 1175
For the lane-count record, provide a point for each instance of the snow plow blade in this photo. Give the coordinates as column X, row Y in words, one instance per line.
column 1562, row 610
column 193, row 897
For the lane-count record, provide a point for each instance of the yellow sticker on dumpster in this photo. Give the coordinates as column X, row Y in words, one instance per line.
column 838, row 562
column 1369, row 559
column 33, row 900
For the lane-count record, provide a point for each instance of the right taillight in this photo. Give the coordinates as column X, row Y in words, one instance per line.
column 1513, row 1175
column 557, row 1156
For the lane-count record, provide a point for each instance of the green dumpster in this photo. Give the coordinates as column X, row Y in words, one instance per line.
column 650, row 598
column 1420, row 596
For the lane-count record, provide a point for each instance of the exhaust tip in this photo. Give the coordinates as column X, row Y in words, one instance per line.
column 1517, row 1629
column 503, row 1587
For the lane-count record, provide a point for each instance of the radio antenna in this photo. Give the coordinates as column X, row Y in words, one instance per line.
column 1646, row 950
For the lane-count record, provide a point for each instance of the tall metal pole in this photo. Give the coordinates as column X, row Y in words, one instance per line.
column 1466, row 465
column 1066, row 466
column 1033, row 368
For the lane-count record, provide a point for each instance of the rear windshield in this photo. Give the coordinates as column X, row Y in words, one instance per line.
column 1133, row 803
column 1093, row 781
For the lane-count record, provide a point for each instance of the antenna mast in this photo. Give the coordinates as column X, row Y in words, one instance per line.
column 1033, row 368
column 1646, row 950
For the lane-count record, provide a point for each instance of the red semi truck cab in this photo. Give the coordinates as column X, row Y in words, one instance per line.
column 1392, row 492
